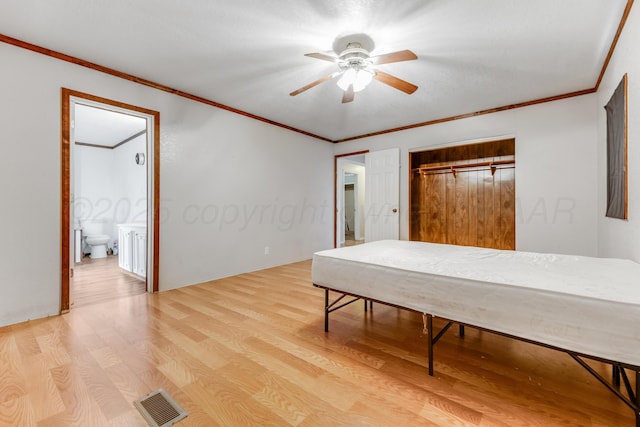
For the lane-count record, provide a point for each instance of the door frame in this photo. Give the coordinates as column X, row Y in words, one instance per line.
column 335, row 191
column 153, row 181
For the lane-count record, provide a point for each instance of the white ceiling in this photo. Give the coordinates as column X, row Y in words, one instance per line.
column 97, row 126
column 249, row 54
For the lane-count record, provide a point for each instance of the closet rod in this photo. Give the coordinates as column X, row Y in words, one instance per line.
column 465, row 165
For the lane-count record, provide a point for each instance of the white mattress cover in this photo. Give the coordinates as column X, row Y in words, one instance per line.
column 588, row 305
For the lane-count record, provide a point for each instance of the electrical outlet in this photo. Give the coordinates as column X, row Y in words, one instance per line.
column 266, row 250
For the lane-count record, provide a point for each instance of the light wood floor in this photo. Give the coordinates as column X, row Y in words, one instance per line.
column 250, row 350
column 350, row 240
column 99, row 280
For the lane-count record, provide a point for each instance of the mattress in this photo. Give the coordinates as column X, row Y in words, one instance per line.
column 582, row 304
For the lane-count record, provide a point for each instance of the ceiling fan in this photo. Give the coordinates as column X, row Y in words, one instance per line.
column 356, row 66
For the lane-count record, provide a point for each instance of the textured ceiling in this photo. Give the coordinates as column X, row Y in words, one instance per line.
column 473, row 55
column 96, row 126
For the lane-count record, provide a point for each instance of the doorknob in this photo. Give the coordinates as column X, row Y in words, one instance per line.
column 394, row 210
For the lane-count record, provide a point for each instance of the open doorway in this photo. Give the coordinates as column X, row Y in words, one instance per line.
column 110, row 192
column 109, row 202
column 350, row 193
column 350, row 199
column 378, row 188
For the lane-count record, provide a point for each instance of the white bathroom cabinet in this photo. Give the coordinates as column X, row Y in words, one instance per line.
column 139, row 253
column 132, row 251
column 124, row 247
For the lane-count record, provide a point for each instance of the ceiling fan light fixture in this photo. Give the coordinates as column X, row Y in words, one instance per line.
column 359, row 78
column 356, row 66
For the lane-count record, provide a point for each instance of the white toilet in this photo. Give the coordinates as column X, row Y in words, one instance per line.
column 94, row 237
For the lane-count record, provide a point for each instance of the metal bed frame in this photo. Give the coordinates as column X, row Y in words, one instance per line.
column 618, row 369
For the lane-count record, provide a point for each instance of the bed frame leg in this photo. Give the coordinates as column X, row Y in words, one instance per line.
column 430, row 342
column 365, row 306
column 326, row 310
column 461, row 330
column 637, row 402
column 615, row 379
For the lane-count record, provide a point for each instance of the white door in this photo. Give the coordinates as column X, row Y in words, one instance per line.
column 382, row 194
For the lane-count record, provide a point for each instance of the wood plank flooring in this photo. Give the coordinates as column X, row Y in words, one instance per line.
column 250, row 350
column 99, row 280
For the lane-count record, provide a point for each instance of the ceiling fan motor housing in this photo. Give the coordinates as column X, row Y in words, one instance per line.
column 354, row 56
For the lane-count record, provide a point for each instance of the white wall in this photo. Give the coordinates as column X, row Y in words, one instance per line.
column 130, row 183
column 555, row 164
column 240, row 195
column 620, row 238
column 94, row 189
column 210, row 158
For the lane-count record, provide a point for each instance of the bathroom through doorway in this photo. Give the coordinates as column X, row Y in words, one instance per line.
column 110, row 190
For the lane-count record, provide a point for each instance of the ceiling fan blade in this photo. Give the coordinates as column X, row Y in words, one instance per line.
column 348, row 95
column 322, row 56
column 401, row 55
column 313, row 84
column 395, row 82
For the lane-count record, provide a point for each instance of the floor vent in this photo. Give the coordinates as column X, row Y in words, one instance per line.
column 159, row 409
